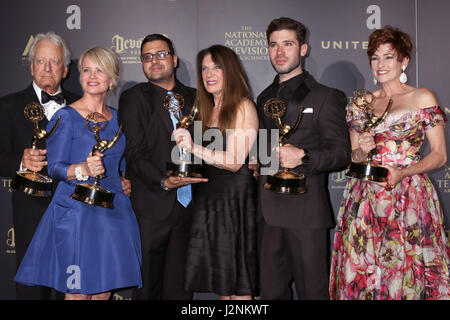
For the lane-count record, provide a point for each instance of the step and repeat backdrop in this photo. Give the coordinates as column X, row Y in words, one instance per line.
column 338, row 41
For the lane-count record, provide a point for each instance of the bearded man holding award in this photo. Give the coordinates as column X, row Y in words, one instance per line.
column 313, row 140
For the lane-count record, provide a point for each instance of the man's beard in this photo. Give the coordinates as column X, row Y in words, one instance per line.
column 286, row 68
column 160, row 77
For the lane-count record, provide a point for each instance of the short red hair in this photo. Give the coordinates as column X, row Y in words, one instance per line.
column 400, row 41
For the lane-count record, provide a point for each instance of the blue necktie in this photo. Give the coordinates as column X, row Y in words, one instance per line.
column 184, row 194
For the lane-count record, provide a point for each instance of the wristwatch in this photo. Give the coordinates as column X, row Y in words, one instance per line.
column 305, row 158
column 163, row 186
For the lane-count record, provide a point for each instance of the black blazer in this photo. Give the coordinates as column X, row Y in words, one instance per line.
column 148, row 129
column 324, row 133
column 16, row 133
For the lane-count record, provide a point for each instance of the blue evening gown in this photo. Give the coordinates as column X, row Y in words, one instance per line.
column 81, row 248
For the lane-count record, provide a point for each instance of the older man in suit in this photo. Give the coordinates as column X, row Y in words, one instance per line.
column 294, row 227
column 163, row 205
column 49, row 62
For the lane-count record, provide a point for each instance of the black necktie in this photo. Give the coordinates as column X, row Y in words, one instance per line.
column 58, row 98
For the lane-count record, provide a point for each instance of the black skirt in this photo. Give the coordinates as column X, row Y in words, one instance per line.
column 222, row 253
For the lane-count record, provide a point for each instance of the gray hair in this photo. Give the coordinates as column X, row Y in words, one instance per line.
column 53, row 38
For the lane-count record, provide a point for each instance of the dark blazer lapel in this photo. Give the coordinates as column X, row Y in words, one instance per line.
column 294, row 106
column 267, row 122
column 31, row 94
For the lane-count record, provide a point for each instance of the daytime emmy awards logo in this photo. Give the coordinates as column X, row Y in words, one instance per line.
column 128, row 49
column 249, row 45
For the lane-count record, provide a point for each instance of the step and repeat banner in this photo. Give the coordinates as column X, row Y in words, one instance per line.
column 338, row 41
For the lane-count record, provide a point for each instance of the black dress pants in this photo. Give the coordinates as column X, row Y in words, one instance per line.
column 164, row 246
column 299, row 255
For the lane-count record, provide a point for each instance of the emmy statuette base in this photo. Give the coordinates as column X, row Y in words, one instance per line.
column 286, row 182
column 32, row 183
column 93, row 195
column 184, row 169
column 367, row 172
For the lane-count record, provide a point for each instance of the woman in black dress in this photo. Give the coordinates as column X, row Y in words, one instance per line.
column 222, row 254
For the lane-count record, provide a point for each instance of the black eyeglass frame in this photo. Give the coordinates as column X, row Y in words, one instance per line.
column 160, row 55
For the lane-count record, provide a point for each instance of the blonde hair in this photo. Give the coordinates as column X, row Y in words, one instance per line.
column 105, row 59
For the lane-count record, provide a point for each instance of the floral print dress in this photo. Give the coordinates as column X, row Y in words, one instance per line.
column 392, row 244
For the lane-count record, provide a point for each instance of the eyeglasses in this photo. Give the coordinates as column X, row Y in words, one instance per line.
column 160, row 55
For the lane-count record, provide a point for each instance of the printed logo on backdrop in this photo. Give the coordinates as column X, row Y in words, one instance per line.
column 373, row 22
column 117, row 296
column 10, row 241
column 443, row 181
column 249, row 44
column 339, row 180
column 5, row 184
column 128, row 49
column 73, row 22
column 26, row 51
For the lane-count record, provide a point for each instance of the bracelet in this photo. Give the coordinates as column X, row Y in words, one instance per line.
column 79, row 175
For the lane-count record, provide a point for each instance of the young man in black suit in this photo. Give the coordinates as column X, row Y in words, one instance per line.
column 164, row 218
column 49, row 63
column 294, row 228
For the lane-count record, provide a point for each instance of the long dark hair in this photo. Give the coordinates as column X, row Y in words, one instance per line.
column 235, row 87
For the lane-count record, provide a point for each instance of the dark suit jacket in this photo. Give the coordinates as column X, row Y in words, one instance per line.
column 15, row 131
column 324, row 134
column 148, row 128
column 15, row 135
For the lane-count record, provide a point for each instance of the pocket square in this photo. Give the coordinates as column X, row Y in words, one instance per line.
column 308, row 110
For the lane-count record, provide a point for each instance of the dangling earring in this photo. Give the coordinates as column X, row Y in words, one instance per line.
column 403, row 77
column 375, row 81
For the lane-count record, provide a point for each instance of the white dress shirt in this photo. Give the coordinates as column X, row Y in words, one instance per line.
column 50, row 107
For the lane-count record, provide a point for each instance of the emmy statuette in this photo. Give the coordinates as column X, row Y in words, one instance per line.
column 93, row 194
column 183, row 167
column 284, row 181
column 367, row 170
column 30, row 182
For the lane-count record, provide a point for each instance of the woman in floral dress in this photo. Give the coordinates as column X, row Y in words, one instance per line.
column 390, row 240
